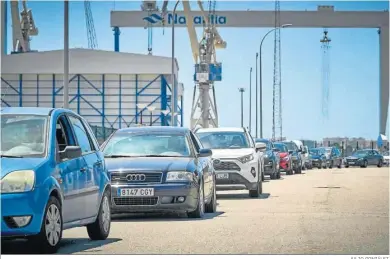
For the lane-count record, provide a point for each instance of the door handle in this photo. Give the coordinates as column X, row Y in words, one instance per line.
column 83, row 170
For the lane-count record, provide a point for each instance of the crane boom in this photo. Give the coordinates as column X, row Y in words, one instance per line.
column 23, row 27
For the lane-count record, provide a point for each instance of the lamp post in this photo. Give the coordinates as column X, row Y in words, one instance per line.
column 142, row 106
column 151, row 109
column 66, row 55
column 173, row 87
column 242, row 90
column 165, row 112
column 250, row 100
column 257, row 99
column 261, row 79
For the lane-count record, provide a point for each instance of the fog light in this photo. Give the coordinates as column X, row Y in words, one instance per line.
column 22, row 221
column 180, row 199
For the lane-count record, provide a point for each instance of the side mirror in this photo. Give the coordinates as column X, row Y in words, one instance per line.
column 260, row 146
column 205, row 152
column 290, row 152
column 275, row 150
column 71, row 152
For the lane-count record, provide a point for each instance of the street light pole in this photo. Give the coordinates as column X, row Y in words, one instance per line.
column 151, row 109
column 173, row 87
column 261, row 78
column 250, row 100
column 257, row 99
column 66, row 55
column 242, row 90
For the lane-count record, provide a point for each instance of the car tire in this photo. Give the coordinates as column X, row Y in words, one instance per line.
column 200, row 208
column 211, row 207
column 42, row 242
column 340, row 164
column 380, row 163
column 299, row 170
column 256, row 192
column 100, row 229
column 365, row 164
column 331, row 165
column 347, row 166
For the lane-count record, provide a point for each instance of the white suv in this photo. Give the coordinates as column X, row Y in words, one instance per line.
column 237, row 158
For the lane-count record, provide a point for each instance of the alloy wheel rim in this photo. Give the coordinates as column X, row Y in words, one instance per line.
column 106, row 217
column 53, row 225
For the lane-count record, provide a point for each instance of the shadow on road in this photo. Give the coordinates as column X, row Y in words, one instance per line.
column 134, row 217
column 239, row 196
column 68, row 246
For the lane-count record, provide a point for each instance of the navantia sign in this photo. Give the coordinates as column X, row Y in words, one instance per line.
column 181, row 19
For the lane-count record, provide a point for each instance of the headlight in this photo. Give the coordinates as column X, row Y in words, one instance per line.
column 18, row 181
column 179, row 176
column 246, row 159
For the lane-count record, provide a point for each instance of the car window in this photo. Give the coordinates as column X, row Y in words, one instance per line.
column 224, row 140
column 148, row 144
column 23, row 135
column 81, row 135
column 291, row 146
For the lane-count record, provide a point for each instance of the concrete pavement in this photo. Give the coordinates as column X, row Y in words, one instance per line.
column 328, row 211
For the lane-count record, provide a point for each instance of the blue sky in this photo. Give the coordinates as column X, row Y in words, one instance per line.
column 354, row 57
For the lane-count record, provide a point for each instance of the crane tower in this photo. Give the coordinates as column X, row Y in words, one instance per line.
column 277, row 84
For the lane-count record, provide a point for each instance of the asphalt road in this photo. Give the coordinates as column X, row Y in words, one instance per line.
column 332, row 211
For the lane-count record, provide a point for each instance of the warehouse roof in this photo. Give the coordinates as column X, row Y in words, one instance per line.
column 86, row 61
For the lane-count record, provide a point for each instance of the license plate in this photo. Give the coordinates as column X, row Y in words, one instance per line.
column 222, row 176
column 351, row 163
column 136, row 192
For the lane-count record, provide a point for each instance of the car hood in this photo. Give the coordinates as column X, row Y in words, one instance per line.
column 283, row 154
column 316, row 156
column 162, row 164
column 9, row 165
column 231, row 153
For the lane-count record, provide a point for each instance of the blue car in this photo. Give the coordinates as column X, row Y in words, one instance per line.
column 160, row 169
column 271, row 159
column 53, row 177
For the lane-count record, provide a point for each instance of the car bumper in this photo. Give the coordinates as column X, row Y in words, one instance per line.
column 284, row 165
column 248, row 175
column 317, row 163
column 31, row 204
column 354, row 163
column 164, row 199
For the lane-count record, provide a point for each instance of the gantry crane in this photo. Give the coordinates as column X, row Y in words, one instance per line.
column 23, row 27
column 204, row 111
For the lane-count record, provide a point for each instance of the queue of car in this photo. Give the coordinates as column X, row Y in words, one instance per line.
column 55, row 176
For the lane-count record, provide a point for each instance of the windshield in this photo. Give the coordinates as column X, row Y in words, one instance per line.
column 386, row 153
column 147, row 144
column 291, row 146
column 316, row 152
column 223, row 140
column 281, row 147
column 328, row 150
column 360, row 152
column 23, row 135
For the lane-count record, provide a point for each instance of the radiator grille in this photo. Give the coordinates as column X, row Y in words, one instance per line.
column 143, row 201
column 226, row 166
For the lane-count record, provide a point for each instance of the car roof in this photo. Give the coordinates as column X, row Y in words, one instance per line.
column 42, row 111
column 224, row 129
column 162, row 129
column 27, row 110
column 262, row 140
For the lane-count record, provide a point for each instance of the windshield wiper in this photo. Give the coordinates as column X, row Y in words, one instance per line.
column 11, row 156
column 117, row 156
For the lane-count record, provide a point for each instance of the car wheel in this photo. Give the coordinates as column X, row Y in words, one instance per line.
column 49, row 239
column 212, row 206
column 331, row 165
column 340, row 164
column 278, row 174
column 256, row 192
column 365, row 164
column 347, row 166
column 199, row 212
column 100, row 229
column 380, row 164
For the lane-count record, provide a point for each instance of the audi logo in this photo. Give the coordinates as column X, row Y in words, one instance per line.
column 136, row 177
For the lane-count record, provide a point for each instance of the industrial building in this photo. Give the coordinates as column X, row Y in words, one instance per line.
column 110, row 89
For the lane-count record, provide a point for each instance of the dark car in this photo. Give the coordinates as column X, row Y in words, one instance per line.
column 364, row 158
column 271, row 159
column 295, row 156
column 156, row 169
column 318, row 158
column 333, row 157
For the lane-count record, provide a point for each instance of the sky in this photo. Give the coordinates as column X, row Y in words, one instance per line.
column 354, row 64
